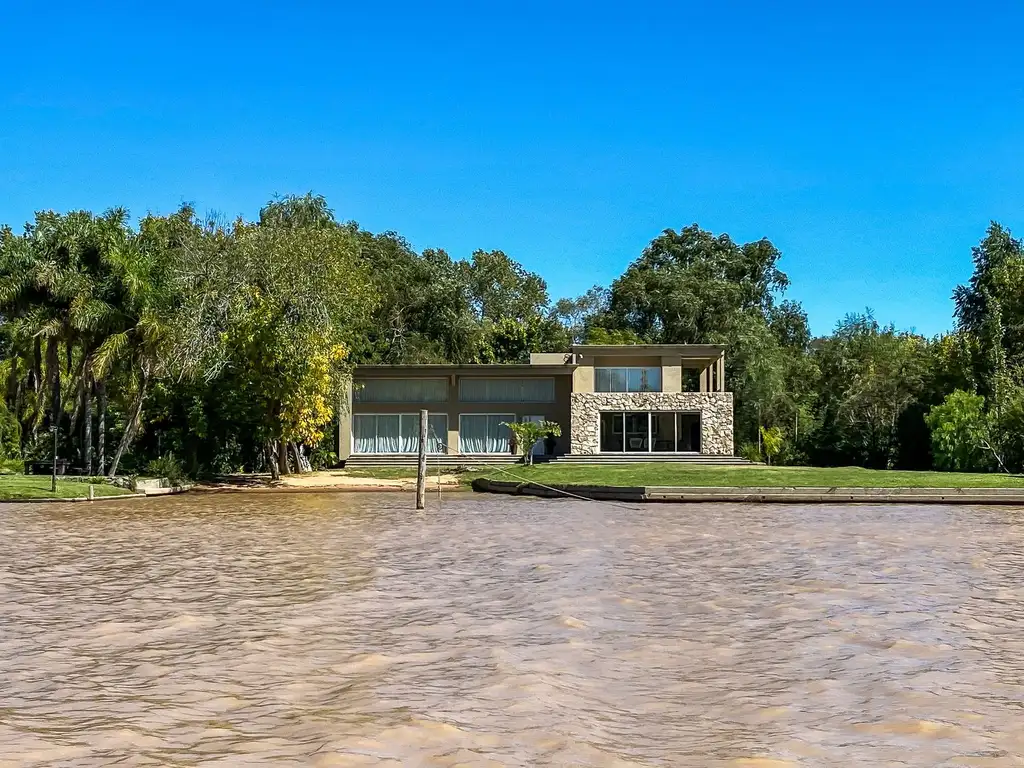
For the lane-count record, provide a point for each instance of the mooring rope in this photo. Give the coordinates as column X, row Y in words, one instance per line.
column 514, row 476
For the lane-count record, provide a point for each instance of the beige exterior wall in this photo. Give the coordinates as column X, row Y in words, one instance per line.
column 557, row 411
column 615, row 361
column 575, row 398
column 583, row 378
column 672, row 377
column 671, row 374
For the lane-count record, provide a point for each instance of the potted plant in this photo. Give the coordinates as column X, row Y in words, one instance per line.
column 526, row 433
column 550, row 443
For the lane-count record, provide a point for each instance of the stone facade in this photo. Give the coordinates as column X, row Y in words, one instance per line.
column 715, row 410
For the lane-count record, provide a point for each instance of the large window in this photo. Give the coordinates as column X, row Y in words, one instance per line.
column 650, row 432
column 401, row 391
column 397, row 433
column 534, row 390
column 485, row 432
column 628, row 380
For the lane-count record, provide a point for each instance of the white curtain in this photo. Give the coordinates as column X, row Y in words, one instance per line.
column 401, row 391
column 485, row 433
column 437, row 435
column 389, row 438
column 397, row 433
column 364, row 434
column 532, row 390
column 409, row 439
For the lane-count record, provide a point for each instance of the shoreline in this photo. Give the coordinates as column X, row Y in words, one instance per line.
column 756, row 495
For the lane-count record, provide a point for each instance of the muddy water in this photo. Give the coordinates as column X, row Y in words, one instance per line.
column 330, row 629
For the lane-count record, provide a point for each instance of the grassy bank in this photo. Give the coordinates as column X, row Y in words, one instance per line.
column 752, row 476
column 725, row 476
column 15, row 487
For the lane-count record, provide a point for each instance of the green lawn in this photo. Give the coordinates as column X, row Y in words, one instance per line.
column 749, row 476
column 14, row 487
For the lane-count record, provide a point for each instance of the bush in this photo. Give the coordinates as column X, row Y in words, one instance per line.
column 11, row 466
column 169, row 467
column 960, row 432
column 749, row 452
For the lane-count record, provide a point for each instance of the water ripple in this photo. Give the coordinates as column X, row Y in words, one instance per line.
column 348, row 630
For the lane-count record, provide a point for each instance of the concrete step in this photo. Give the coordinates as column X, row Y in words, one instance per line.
column 434, row 460
column 701, row 459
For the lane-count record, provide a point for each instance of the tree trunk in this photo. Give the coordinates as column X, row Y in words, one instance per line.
column 301, row 464
column 282, row 457
column 87, row 395
column 271, row 457
column 101, row 389
column 133, row 425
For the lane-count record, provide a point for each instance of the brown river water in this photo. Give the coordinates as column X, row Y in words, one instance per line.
column 332, row 629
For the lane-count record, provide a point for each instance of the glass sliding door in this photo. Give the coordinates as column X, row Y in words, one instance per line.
column 688, row 432
column 612, row 440
column 663, row 432
column 638, row 432
column 649, row 432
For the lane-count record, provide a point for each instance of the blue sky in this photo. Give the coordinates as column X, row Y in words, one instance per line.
column 871, row 142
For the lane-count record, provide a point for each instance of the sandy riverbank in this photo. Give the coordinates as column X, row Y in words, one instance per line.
column 328, row 479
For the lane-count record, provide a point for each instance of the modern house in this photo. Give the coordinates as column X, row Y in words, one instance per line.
column 615, row 400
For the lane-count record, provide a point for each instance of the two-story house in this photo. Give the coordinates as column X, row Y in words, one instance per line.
column 614, row 400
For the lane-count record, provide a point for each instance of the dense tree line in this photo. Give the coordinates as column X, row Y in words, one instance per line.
column 224, row 346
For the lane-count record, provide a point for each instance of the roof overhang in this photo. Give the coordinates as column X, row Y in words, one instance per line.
column 685, row 351
column 497, row 369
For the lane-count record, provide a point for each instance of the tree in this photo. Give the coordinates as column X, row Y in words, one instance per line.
column 423, row 312
column 870, row 376
column 297, row 296
column 772, row 439
column 997, row 282
column 960, row 434
column 527, row 433
column 500, row 287
column 689, row 286
column 576, row 315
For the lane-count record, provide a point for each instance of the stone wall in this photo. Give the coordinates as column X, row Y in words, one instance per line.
column 715, row 410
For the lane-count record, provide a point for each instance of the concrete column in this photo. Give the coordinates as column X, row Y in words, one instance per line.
column 452, row 409
column 721, row 373
column 671, row 374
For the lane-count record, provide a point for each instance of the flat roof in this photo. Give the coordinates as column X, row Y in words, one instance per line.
column 666, row 350
column 447, row 369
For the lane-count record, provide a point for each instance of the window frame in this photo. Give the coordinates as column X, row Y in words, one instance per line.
column 377, row 414
column 511, row 418
column 625, row 369
column 436, row 379
column 550, row 379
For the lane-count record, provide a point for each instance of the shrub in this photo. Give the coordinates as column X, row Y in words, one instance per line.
column 960, row 432
column 749, row 452
column 169, row 467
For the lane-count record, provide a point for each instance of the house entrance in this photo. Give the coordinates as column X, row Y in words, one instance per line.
column 650, row 432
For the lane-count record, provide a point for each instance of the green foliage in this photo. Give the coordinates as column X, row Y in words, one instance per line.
column 218, row 342
column 10, row 434
column 772, row 439
column 527, row 433
column 749, row 451
column 11, row 466
column 167, row 466
column 959, row 430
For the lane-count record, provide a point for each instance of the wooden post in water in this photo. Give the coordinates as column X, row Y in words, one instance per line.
column 421, row 471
